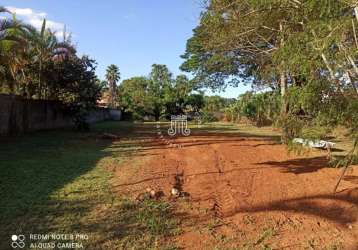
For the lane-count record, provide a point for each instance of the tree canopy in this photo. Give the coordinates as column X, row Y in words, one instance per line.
column 307, row 49
column 159, row 95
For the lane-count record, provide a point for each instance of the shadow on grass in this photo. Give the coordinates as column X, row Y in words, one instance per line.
column 58, row 182
column 34, row 166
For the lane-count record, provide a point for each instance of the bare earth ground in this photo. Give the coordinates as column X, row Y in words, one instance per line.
column 244, row 191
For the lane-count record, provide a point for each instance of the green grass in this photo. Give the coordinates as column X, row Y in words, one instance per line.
column 58, row 182
column 344, row 143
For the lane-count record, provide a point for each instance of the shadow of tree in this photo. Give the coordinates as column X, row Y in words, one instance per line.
column 351, row 178
column 34, row 166
column 51, row 182
column 323, row 206
column 301, row 165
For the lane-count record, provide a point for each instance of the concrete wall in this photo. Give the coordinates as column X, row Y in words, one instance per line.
column 19, row 115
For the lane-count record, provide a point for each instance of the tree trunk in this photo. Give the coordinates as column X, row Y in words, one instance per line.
column 349, row 78
column 283, row 88
column 112, row 95
column 284, row 107
column 156, row 116
column 40, row 80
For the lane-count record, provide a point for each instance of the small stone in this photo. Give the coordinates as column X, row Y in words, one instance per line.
column 175, row 192
column 153, row 194
column 350, row 226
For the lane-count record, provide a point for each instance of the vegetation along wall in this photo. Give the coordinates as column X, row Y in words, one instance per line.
column 18, row 115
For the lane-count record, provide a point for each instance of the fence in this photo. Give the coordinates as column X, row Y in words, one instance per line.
column 19, row 115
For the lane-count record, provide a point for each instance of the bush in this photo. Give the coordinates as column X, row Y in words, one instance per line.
column 207, row 116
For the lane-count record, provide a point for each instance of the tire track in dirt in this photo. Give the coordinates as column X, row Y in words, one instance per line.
column 208, row 178
column 250, row 178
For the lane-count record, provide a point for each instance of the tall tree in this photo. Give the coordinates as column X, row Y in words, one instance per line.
column 159, row 86
column 12, row 46
column 286, row 45
column 158, row 95
column 44, row 47
column 112, row 76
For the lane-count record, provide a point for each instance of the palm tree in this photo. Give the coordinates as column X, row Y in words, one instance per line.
column 12, row 44
column 46, row 47
column 113, row 77
column 5, row 44
column 22, row 45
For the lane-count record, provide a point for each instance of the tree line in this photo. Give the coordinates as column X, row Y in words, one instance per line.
column 304, row 52
column 301, row 56
column 37, row 64
column 159, row 95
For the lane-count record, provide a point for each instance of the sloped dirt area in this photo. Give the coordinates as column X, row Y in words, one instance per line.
column 244, row 191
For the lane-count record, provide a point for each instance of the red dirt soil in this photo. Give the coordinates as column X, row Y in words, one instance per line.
column 246, row 191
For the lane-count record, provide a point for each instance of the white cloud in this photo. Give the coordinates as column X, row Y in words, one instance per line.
column 26, row 12
column 35, row 18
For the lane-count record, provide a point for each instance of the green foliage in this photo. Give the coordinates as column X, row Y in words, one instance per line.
column 78, row 88
column 35, row 64
column 133, row 96
column 195, row 101
column 159, row 95
column 305, row 49
column 207, row 116
column 260, row 108
column 213, row 103
column 112, row 76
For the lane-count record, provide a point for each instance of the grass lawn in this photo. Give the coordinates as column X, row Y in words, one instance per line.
column 58, row 182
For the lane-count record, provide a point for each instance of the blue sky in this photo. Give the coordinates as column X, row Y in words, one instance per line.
column 132, row 34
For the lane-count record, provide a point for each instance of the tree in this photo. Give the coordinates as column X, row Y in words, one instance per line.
column 294, row 46
column 78, row 87
column 12, row 44
column 195, row 101
column 133, row 97
column 112, row 76
column 25, row 50
column 260, row 108
column 158, row 89
column 158, row 95
column 177, row 95
column 45, row 45
column 34, row 64
column 213, row 103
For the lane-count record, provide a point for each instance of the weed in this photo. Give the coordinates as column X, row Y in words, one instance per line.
column 155, row 216
column 265, row 235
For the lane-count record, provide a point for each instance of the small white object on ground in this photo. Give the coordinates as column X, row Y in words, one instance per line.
column 175, row 192
column 314, row 144
column 153, row 193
